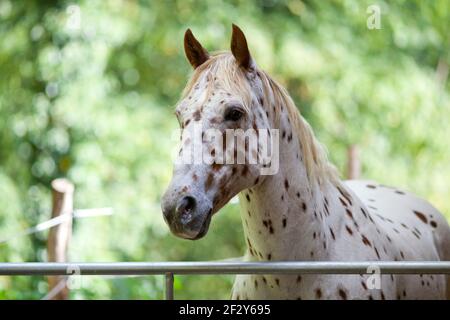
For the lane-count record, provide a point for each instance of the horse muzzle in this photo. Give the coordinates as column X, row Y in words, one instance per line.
column 187, row 216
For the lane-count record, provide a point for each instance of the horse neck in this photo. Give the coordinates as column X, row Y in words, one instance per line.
column 287, row 216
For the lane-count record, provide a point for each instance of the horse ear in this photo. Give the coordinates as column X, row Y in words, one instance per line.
column 195, row 53
column 239, row 48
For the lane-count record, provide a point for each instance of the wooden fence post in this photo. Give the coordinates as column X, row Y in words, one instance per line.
column 59, row 236
column 353, row 163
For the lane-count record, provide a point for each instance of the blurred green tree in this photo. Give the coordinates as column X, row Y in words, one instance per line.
column 87, row 90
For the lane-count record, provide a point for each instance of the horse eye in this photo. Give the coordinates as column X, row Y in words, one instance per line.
column 233, row 114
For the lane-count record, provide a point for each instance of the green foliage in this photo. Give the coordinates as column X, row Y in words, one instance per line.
column 93, row 102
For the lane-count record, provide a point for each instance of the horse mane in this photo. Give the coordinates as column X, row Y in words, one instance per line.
column 223, row 68
column 314, row 153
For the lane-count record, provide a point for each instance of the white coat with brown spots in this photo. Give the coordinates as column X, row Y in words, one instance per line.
column 303, row 212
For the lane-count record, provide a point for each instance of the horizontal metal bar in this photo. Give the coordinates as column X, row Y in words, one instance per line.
column 285, row 267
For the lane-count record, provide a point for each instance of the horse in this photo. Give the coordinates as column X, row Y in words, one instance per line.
column 303, row 211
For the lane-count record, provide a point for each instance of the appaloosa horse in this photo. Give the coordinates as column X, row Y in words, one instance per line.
column 304, row 212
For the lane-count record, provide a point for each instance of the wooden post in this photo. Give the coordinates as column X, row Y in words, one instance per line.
column 59, row 236
column 353, row 163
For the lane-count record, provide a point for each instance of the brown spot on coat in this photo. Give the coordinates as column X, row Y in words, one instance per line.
column 376, row 251
column 318, row 293
column 364, row 285
column 345, row 195
column 290, row 137
column 364, row 212
column 421, row 216
column 332, row 234
column 365, row 240
column 326, row 210
column 197, row 115
column 342, row 294
column 349, row 213
column 349, row 230
column 417, row 230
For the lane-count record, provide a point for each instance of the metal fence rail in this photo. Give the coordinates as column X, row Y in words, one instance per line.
column 169, row 269
column 154, row 268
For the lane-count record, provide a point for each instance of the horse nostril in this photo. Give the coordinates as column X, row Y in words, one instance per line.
column 185, row 206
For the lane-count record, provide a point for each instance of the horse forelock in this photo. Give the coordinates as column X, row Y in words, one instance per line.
column 221, row 68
